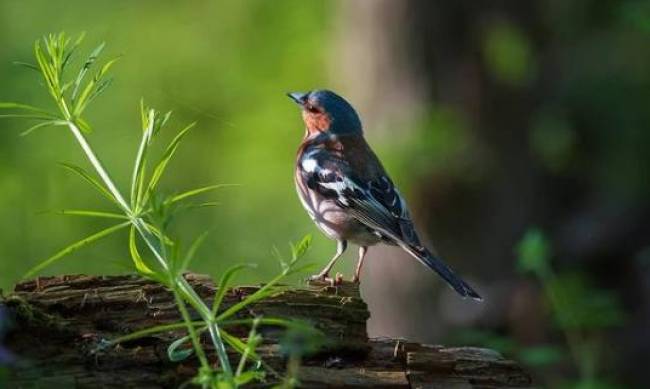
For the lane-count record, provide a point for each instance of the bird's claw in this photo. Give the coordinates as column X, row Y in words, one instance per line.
column 324, row 277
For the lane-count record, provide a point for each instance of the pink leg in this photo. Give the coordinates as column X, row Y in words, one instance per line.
column 362, row 254
column 324, row 274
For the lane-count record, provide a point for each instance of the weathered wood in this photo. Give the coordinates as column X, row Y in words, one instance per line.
column 60, row 322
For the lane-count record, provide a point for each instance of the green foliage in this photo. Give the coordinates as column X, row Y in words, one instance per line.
column 579, row 310
column 534, row 252
column 581, row 306
column 223, row 64
column 508, row 53
column 543, row 355
column 148, row 214
column 553, row 141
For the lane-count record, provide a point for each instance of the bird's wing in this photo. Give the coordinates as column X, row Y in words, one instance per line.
column 375, row 202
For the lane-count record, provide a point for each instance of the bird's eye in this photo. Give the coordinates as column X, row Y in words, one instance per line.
column 311, row 108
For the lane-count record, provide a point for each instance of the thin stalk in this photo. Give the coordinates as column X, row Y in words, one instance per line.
column 103, row 174
column 138, row 161
column 196, row 343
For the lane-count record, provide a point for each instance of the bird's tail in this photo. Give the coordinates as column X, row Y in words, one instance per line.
column 436, row 264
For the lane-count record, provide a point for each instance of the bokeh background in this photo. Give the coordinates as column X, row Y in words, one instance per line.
column 518, row 131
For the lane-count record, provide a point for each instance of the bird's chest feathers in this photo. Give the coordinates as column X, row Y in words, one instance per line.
column 316, row 123
column 324, row 211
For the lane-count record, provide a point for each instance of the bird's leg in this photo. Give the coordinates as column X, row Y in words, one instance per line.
column 324, row 274
column 357, row 273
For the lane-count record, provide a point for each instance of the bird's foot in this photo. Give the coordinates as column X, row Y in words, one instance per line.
column 356, row 279
column 324, row 277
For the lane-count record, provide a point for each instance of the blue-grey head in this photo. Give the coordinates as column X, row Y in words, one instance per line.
column 325, row 111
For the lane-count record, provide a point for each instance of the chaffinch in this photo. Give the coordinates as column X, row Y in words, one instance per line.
column 346, row 191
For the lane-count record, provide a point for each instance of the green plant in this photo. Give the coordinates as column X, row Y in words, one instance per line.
column 147, row 215
column 580, row 311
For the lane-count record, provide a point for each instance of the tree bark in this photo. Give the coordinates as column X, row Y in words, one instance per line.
column 60, row 324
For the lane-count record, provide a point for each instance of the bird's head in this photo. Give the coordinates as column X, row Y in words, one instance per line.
column 325, row 111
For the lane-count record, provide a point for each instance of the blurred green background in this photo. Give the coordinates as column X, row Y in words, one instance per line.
column 518, row 132
column 188, row 58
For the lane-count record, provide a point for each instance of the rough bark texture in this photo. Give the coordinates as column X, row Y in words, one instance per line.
column 61, row 322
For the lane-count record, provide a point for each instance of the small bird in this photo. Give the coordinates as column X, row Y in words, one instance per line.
column 346, row 191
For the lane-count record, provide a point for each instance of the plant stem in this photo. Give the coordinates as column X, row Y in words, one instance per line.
column 149, row 238
column 196, row 343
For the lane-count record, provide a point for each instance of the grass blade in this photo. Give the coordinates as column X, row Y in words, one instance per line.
column 158, row 234
column 43, row 124
column 198, row 191
column 84, row 69
column 238, row 345
column 26, row 116
column 93, row 88
column 26, row 107
column 140, row 160
column 254, row 339
column 262, row 293
column 140, row 266
column 191, row 252
column 92, row 181
column 164, row 161
column 174, row 351
column 27, row 65
column 152, row 331
column 224, row 282
column 90, row 213
column 74, row 247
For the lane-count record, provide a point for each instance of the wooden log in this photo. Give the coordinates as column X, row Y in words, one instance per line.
column 62, row 322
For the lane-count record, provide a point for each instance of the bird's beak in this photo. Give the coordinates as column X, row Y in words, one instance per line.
column 298, row 97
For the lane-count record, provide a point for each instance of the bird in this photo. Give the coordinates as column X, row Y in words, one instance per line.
column 346, row 191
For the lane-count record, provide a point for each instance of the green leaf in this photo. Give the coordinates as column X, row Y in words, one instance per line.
column 43, row 124
column 191, row 252
column 301, row 248
column 84, row 69
column 250, row 375
column 93, row 88
column 272, row 321
column 265, row 291
column 534, row 253
column 72, row 50
column 152, row 331
column 174, row 351
column 74, row 247
column 140, row 266
column 10, row 105
column 139, row 168
column 579, row 306
column 238, row 345
column 308, row 267
column 92, row 181
column 26, row 116
column 198, row 191
column 254, row 339
column 83, row 125
column 158, row 234
column 91, row 213
column 27, row 65
column 541, row 355
column 101, row 87
column 224, row 283
column 164, row 161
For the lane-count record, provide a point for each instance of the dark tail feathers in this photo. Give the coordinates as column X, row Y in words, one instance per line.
column 436, row 264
